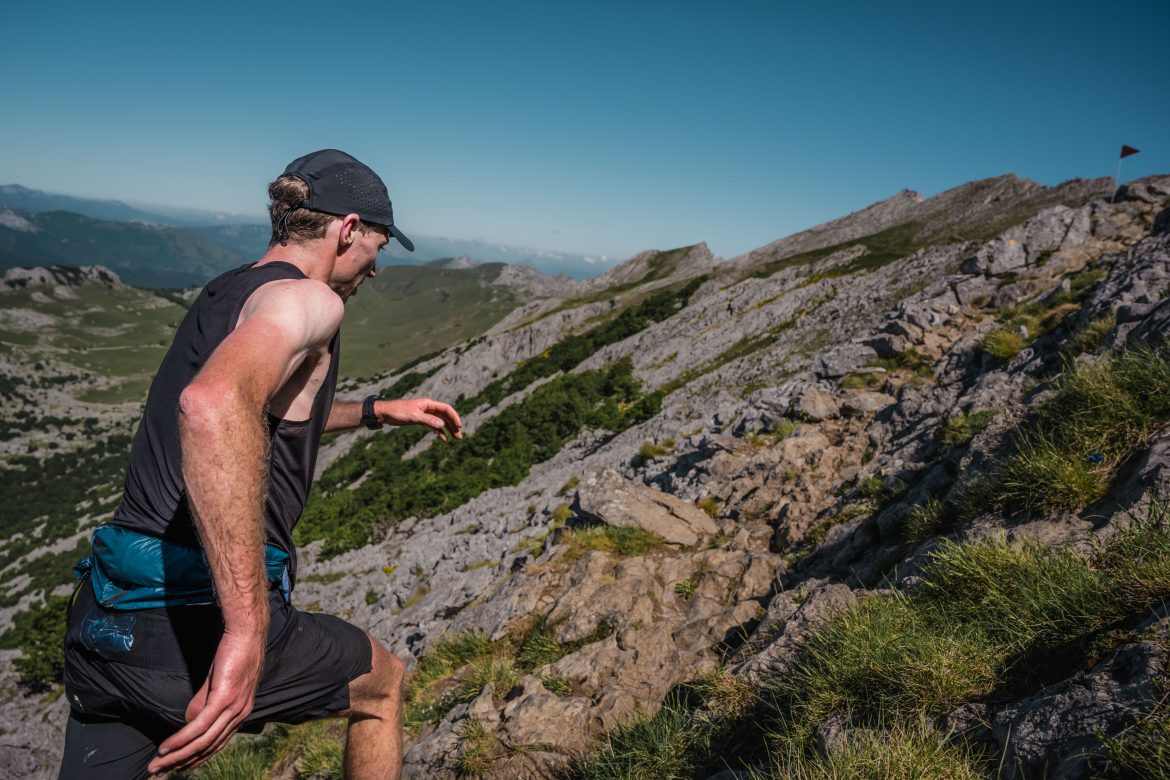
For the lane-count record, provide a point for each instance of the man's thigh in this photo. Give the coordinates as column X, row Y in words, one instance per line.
column 107, row 750
column 310, row 662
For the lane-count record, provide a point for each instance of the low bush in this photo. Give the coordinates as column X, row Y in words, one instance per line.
column 460, row 665
column 39, row 635
column 498, row 454
column 647, row 747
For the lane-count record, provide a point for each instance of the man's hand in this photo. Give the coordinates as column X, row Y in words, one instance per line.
column 421, row 411
column 220, row 705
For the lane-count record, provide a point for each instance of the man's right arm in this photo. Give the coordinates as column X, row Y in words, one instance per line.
column 223, row 440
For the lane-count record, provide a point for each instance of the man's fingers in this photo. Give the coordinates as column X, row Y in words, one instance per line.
column 198, row 701
column 195, row 739
column 447, row 413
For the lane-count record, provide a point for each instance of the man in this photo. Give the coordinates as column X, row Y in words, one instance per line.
column 182, row 631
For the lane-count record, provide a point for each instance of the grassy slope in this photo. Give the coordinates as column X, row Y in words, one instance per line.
column 407, row 311
column 114, row 333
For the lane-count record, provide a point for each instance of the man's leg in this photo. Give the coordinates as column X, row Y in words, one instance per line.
column 97, row 750
column 374, row 744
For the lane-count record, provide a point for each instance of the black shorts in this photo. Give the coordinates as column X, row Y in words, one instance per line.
column 127, row 696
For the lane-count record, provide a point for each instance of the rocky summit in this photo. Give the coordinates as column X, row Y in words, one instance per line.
column 891, row 492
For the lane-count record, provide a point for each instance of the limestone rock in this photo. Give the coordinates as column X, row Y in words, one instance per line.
column 791, row 618
column 864, row 401
column 1054, row 732
column 816, row 404
column 614, row 500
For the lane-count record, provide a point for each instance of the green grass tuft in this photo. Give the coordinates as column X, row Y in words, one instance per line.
column 904, row 750
column 961, row 428
column 610, row 539
column 647, row 747
column 1002, row 344
column 1099, row 415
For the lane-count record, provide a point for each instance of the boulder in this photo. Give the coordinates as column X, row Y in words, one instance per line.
column 816, row 404
column 843, row 360
column 864, row 401
column 610, row 498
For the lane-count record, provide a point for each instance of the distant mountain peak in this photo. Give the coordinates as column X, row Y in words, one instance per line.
column 59, row 275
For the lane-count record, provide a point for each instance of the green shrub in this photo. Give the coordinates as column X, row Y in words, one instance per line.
column 556, row 685
column 853, row 511
column 686, row 589
column 500, row 453
column 567, row 353
column 886, row 654
column 990, row 617
column 925, row 520
column 39, row 634
column 1021, row 595
column 865, row 381
column 538, row 647
column 309, row 750
column 428, row 693
column 561, row 515
column 480, row 749
column 878, row 489
column 1143, row 749
column 710, row 505
column 498, row 669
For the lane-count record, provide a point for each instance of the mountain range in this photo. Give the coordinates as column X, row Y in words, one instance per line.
column 174, row 247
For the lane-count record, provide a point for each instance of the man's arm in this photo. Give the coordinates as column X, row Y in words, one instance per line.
column 223, row 440
column 408, row 411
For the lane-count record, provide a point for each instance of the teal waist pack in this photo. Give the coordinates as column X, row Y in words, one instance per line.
column 130, row 570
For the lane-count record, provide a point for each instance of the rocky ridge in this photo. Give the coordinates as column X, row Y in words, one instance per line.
column 793, row 395
column 794, row 540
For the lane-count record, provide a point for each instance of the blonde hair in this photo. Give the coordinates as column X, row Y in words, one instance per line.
column 291, row 222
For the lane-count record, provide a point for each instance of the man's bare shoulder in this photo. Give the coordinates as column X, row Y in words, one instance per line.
column 304, row 305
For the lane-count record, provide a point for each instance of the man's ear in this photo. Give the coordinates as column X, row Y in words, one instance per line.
column 349, row 223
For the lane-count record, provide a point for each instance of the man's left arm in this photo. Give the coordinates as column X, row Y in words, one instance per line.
column 406, row 411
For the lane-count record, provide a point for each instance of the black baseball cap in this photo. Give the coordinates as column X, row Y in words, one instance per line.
column 340, row 184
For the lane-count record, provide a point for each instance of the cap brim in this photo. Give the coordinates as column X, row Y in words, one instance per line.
column 402, row 239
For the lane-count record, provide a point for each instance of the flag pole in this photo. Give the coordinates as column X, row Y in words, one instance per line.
column 1116, row 181
column 1126, row 151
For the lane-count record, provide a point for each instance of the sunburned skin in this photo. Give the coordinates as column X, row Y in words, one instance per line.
column 294, row 400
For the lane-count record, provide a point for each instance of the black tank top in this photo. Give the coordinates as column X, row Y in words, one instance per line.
column 155, row 500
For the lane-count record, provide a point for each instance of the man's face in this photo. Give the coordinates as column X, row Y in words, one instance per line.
column 358, row 261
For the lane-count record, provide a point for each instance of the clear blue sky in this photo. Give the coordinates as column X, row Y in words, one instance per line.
column 592, row 127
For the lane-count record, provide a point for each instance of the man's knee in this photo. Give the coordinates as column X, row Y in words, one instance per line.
column 381, row 687
column 393, row 671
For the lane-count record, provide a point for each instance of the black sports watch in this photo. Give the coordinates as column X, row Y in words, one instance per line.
column 369, row 419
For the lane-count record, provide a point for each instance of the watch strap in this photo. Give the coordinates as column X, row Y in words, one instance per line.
column 369, row 419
